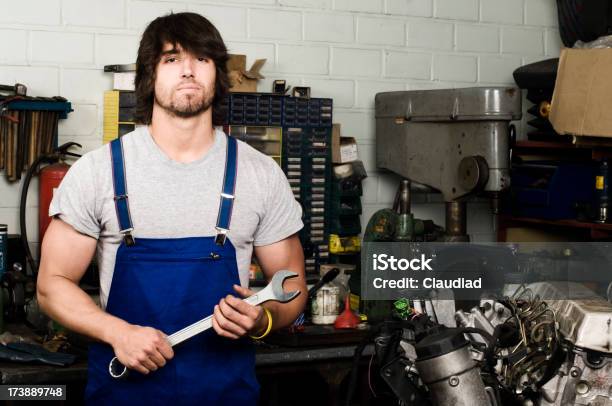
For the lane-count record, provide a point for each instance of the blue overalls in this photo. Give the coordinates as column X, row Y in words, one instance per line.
column 169, row 284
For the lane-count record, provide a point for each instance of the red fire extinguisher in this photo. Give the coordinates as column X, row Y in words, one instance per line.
column 50, row 178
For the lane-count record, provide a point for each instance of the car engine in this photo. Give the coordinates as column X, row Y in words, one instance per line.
column 519, row 350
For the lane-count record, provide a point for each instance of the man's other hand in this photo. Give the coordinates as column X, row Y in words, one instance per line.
column 143, row 349
column 234, row 318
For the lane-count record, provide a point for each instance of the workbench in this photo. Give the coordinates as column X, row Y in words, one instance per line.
column 273, row 364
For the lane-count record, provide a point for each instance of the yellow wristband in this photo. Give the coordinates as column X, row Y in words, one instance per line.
column 268, row 329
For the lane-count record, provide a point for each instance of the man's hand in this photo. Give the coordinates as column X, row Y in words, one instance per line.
column 234, row 318
column 143, row 349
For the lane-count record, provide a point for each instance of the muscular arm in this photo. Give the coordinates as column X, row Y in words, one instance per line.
column 233, row 318
column 285, row 254
column 66, row 255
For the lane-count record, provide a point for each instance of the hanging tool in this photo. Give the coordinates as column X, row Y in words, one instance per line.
column 14, row 90
column 274, row 291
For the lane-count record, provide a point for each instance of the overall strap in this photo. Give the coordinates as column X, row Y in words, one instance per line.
column 227, row 194
column 121, row 197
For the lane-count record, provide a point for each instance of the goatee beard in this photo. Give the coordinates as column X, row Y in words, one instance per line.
column 187, row 111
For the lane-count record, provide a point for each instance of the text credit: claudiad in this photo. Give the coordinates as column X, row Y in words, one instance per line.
column 385, row 262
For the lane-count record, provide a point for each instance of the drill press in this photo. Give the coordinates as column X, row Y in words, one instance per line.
column 453, row 140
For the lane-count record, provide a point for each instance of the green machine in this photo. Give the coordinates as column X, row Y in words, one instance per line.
column 399, row 224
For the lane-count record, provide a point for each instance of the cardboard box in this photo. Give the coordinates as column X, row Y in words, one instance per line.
column 582, row 99
column 241, row 79
column 344, row 149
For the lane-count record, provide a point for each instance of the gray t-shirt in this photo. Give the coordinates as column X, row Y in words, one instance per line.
column 170, row 199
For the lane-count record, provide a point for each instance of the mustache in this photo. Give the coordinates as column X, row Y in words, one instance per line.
column 190, row 83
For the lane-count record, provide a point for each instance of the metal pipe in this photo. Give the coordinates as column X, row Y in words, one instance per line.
column 401, row 204
column 456, row 219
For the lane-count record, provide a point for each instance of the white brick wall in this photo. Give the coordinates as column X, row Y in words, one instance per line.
column 498, row 69
column 328, row 27
column 457, row 9
column 540, row 13
column 303, row 59
column 407, row 65
column 76, row 84
column 518, row 40
column 61, row 47
column 140, row 13
column 230, row 20
column 477, row 38
column 35, row 12
column 459, row 68
column 345, row 49
column 15, row 50
column 321, row 4
column 366, row 6
column 552, row 42
column 87, row 13
column 280, row 25
column 356, row 62
column 420, row 8
column 502, row 11
column 430, row 35
column 83, row 123
column 115, row 49
column 380, row 31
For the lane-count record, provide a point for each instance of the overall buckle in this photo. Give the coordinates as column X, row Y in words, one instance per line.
column 128, row 238
column 221, row 236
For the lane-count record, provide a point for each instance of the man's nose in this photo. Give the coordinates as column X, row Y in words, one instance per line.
column 187, row 67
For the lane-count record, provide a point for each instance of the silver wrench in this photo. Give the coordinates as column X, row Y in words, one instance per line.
column 274, row 291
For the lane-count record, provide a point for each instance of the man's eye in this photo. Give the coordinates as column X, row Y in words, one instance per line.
column 203, row 59
column 170, row 60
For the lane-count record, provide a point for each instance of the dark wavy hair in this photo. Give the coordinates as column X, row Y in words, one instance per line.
column 196, row 35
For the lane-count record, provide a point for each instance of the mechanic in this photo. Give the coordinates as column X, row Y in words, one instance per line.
column 175, row 209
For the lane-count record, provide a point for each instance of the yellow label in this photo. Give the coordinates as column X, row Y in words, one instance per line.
column 335, row 245
column 599, row 182
column 354, row 301
column 111, row 116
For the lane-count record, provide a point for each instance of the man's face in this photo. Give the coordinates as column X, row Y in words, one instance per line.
column 184, row 83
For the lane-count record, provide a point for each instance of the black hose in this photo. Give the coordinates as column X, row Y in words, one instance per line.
column 51, row 158
column 22, row 210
